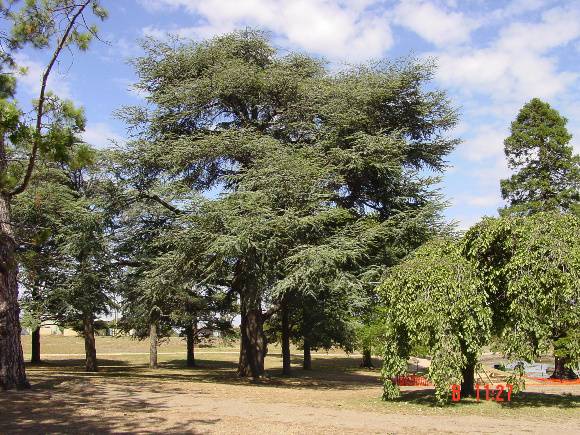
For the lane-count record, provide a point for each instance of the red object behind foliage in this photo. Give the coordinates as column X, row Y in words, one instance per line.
column 556, row 381
column 412, row 381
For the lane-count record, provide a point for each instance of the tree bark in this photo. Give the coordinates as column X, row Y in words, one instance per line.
column 190, row 333
column 561, row 371
column 467, row 384
column 154, row 342
column 307, row 362
column 12, row 371
column 367, row 360
column 35, row 357
column 286, row 364
column 90, row 347
column 253, row 345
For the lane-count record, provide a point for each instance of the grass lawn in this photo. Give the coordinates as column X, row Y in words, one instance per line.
column 127, row 396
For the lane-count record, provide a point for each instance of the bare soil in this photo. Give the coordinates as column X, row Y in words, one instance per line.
column 336, row 397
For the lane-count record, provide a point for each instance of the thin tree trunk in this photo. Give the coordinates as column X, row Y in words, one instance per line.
column 367, row 360
column 286, row 365
column 12, row 371
column 467, row 384
column 35, row 357
column 190, row 333
column 561, row 371
column 153, row 341
column 307, row 363
column 90, row 347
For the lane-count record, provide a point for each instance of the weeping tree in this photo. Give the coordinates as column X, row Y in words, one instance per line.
column 530, row 268
column 435, row 299
column 56, row 26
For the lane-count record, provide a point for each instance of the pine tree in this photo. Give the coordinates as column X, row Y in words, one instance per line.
column 547, row 173
column 55, row 25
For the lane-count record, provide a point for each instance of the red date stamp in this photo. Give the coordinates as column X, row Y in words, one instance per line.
column 489, row 393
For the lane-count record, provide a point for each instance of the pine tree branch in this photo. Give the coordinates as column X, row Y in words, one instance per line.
column 41, row 100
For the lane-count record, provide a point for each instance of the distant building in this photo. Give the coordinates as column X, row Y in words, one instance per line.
column 52, row 329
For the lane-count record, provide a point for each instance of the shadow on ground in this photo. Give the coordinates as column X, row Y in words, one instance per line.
column 56, row 404
column 65, row 399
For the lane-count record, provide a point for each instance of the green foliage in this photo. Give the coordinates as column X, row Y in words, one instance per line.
column 64, row 250
column 37, row 22
column 531, row 268
column 434, row 299
column 548, row 173
column 318, row 172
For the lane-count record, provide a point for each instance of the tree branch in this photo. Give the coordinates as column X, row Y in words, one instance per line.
column 165, row 204
column 40, row 108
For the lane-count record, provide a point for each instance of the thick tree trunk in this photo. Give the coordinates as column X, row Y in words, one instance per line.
column 561, row 371
column 286, row 368
column 467, row 385
column 307, row 362
column 35, row 357
column 190, row 333
column 90, row 347
column 367, row 360
column 153, row 344
column 253, row 344
column 12, row 371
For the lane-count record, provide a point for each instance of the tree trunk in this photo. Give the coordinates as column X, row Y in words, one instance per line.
column 367, row 360
column 190, row 333
column 153, row 341
column 35, row 357
column 307, row 363
column 253, row 344
column 12, row 371
column 90, row 348
column 467, row 384
column 286, row 369
column 561, row 371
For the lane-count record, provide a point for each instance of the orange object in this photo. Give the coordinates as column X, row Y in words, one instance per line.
column 557, row 381
column 412, row 381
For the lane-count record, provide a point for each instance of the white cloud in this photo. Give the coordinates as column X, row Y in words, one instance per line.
column 518, row 64
column 30, row 82
column 434, row 24
column 332, row 28
column 518, row 7
column 486, row 142
column 100, row 135
column 482, row 200
column 490, row 172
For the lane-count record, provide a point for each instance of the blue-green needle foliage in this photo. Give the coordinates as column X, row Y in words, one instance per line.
column 320, row 176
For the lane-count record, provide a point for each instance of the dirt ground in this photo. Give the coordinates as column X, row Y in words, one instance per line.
column 336, row 397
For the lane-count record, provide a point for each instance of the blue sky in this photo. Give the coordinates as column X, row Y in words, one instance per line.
column 493, row 56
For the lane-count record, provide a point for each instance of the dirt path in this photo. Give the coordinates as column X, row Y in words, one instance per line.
column 65, row 404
